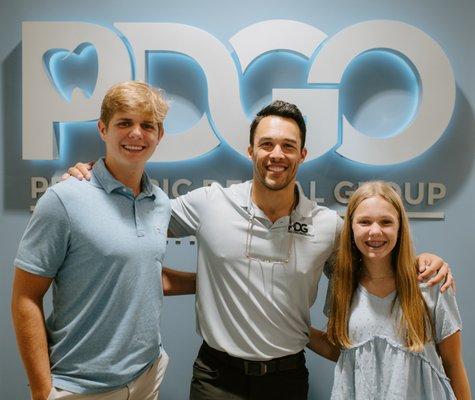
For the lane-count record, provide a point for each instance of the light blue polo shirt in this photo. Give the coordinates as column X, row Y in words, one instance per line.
column 104, row 248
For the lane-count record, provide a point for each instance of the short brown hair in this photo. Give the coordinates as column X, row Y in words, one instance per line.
column 282, row 109
column 134, row 96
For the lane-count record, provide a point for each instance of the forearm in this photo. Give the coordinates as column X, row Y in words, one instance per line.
column 320, row 344
column 178, row 282
column 458, row 379
column 450, row 350
column 28, row 321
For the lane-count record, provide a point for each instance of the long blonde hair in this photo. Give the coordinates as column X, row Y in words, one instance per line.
column 415, row 320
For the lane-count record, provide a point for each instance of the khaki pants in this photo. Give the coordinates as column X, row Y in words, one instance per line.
column 145, row 387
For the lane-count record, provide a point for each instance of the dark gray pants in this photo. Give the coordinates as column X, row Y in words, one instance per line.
column 218, row 376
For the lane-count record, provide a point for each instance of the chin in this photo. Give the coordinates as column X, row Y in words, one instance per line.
column 276, row 185
column 377, row 256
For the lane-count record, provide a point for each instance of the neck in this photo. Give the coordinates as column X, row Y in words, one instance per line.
column 130, row 177
column 274, row 203
column 378, row 269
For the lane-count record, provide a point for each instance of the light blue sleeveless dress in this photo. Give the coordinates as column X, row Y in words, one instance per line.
column 378, row 365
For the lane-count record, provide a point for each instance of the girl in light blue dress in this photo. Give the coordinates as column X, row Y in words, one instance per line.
column 398, row 339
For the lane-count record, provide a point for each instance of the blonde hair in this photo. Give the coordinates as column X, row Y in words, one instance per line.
column 134, row 97
column 415, row 319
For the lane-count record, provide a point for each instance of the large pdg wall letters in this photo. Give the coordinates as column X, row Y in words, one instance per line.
column 101, row 57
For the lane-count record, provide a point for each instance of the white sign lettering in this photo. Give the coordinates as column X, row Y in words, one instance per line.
column 48, row 100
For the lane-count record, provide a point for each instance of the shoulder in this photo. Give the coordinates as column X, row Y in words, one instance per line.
column 432, row 294
column 70, row 188
column 325, row 215
column 238, row 192
column 48, row 205
column 201, row 196
column 327, row 212
column 311, row 207
column 60, row 193
column 160, row 196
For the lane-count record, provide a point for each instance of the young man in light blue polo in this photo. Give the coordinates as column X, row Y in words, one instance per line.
column 101, row 244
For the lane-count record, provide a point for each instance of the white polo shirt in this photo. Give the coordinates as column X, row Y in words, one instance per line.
column 256, row 279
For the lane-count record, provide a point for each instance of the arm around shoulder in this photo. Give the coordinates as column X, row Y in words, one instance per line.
column 435, row 269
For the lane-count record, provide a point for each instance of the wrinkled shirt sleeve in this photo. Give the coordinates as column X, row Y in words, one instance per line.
column 45, row 243
column 185, row 219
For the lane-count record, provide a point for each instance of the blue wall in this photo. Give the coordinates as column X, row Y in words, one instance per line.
column 449, row 161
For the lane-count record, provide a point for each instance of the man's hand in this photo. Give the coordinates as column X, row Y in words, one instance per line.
column 79, row 171
column 433, row 267
column 319, row 343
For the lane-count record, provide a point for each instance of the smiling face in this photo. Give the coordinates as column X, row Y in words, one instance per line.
column 375, row 227
column 276, row 152
column 130, row 138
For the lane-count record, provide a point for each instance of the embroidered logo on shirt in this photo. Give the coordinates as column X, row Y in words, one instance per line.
column 301, row 228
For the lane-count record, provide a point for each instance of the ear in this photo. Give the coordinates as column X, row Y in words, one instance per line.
column 101, row 127
column 303, row 154
column 161, row 132
column 250, row 151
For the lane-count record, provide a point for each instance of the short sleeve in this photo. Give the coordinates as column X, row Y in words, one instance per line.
column 185, row 219
column 445, row 312
column 447, row 315
column 45, row 242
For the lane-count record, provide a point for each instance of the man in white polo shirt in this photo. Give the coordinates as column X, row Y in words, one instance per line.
column 262, row 246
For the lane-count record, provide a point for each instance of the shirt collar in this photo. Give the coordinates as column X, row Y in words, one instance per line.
column 304, row 207
column 101, row 177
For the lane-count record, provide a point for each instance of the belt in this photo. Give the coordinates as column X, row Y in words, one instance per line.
column 257, row 368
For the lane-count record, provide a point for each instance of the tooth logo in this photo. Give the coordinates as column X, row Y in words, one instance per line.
column 68, row 70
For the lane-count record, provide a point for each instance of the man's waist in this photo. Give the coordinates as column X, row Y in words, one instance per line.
column 101, row 375
column 256, row 368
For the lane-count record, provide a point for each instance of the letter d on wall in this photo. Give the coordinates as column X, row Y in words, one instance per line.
column 44, row 102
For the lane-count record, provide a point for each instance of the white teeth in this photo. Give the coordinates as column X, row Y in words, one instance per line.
column 133, row 148
column 376, row 244
column 275, row 168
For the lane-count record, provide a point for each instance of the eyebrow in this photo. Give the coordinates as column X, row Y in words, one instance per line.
column 131, row 120
column 263, row 139
column 380, row 216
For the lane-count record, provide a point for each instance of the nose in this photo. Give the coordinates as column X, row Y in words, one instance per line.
column 374, row 229
column 135, row 131
column 277, row 152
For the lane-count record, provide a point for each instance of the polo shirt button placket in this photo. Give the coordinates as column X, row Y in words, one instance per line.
column 138, row 222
